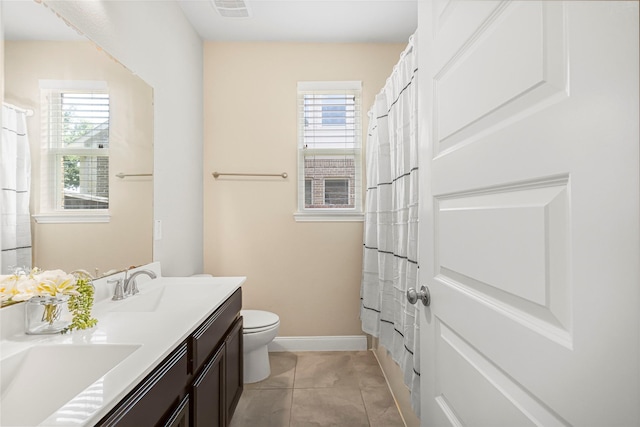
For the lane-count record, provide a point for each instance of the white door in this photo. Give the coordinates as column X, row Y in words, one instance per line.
column 530, row 214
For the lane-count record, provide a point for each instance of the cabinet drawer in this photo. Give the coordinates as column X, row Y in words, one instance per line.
column 148, row 403
column 208, row 337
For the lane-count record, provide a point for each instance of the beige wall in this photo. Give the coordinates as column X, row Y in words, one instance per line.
column 307, row 273
column 127, row 238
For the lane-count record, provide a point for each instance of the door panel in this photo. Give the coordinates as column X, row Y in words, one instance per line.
column 507, row 248
column 526, row 71
column 530, row 213
column 465, row 373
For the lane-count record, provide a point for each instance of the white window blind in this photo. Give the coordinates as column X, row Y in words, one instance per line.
column 329, row 148
column 77, row 149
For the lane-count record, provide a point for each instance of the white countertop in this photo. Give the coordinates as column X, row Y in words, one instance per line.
column 148, row 326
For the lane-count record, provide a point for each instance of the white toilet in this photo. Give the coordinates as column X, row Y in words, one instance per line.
column 259, row 328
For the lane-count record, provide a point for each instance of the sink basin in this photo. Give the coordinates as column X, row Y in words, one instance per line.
column 52, row 375
column 157, row 298
column 148, row 300
column 167, row 296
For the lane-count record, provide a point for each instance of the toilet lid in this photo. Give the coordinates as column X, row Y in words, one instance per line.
column 257, row 319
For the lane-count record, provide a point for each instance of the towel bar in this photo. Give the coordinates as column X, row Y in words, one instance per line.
column 283, row 174
column 124, row 175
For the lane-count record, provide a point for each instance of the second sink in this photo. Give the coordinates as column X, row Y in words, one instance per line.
column 52, row 375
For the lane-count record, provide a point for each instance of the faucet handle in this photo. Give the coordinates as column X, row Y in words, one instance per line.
column 118, row 292
column 134, row 287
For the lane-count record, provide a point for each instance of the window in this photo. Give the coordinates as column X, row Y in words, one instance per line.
column 335, row 114
column 308, row 189
column 336, row 192
column 329, row 151
column 76, row 153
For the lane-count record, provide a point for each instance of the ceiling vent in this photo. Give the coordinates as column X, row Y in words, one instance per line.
column 231, row 8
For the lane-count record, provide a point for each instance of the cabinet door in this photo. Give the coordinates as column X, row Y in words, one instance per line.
column 208, row 393
column 233, row 362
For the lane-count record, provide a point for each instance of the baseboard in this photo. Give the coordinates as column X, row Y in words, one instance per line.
column 335, row 343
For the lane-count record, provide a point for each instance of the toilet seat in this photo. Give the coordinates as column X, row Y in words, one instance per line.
column 255, row 321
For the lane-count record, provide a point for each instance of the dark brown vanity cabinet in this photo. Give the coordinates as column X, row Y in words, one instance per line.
column 198, row 384
column 217, row 356
column 221, row 376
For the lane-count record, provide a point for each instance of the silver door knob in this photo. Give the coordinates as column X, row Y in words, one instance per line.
column 423, row 295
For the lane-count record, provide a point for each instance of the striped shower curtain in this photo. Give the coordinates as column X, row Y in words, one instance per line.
column 390, row 259
column 15, row 181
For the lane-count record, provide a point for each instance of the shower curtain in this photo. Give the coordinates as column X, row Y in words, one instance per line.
column 15, row 181
column 390, row 258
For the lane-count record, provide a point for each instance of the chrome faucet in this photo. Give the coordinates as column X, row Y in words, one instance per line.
column 130, row 286
column 127, row 286
column 83, row 274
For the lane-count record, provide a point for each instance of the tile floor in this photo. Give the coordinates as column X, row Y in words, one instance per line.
column 319, row 389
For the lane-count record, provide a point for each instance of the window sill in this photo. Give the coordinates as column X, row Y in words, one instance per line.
column 72, row 218
column 328, row 217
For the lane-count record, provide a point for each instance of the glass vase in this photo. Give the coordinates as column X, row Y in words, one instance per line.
column 46, row 315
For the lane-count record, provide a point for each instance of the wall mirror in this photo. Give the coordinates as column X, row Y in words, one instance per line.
column 40, row 47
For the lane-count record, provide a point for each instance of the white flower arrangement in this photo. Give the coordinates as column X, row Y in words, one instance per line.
column 52, row 287
column 22, row 286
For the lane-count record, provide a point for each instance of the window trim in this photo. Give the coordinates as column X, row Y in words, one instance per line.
column 70, row 218
column 328, row 216
column 355, row 214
